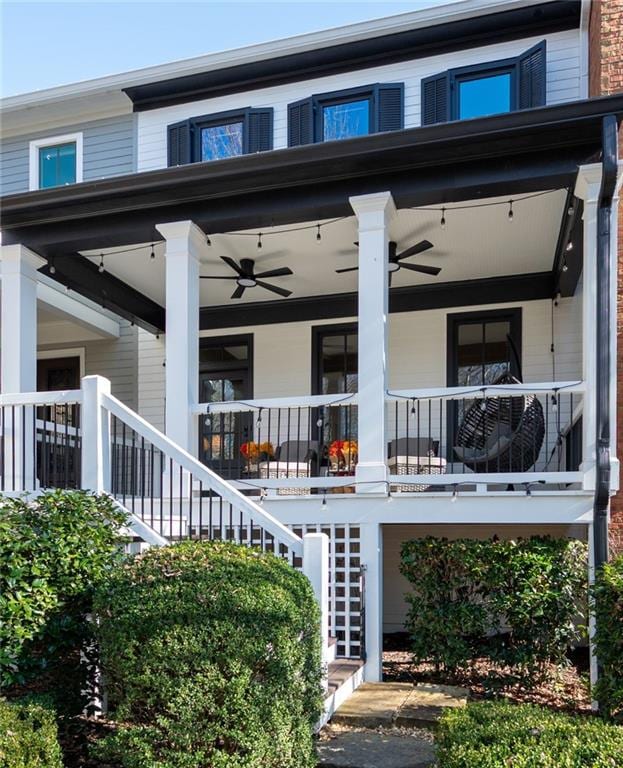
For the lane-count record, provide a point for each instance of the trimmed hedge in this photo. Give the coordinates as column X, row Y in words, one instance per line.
column 28, row 735
column 607, row 594
column 511, row 601
column 496, row 734
column 53, row 551
column 211, row 654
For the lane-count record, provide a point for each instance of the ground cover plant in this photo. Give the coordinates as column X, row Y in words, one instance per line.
column 512, row 603
column 28, row 735
column 211, row 653
column 608, row 601
column 495, row 734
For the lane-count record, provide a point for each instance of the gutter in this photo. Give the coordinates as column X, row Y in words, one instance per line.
column 604, row 212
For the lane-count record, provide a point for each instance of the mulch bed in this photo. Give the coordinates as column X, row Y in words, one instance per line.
column 566, row 688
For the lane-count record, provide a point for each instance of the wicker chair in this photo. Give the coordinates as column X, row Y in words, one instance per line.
column 501, row 434
column 295, row 458
column 414, row 456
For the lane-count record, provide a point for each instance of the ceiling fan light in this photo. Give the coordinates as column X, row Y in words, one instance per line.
column 246, row 282
column 393, row 266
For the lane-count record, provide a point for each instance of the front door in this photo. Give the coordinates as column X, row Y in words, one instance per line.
column 57, row 426
column 225, row 375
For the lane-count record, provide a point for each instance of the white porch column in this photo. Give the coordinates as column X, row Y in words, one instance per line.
column 185, row 243
column 371, row 543
column 587, row 188
column 95, row 435
column 18, row 359
column 374, row 213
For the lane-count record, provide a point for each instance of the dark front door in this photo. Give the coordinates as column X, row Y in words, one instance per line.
column 57, row 426
column 225, row 375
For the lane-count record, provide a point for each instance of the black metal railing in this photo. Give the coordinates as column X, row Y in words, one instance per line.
column 40, row 446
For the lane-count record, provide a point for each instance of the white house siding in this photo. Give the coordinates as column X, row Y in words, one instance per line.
column 563, row 84
column 115, row 359
column 395, row 585
column 282, row 364
column 108, row 150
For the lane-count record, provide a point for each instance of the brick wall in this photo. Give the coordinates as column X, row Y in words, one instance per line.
column 606, row 77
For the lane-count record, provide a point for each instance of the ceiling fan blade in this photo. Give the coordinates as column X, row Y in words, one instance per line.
column 231, row 263
column 217, row 277
column 346, row 269
column 279, row 272
column 421, row 268
column 423, row 245
column 237, row 294
column 274, row 288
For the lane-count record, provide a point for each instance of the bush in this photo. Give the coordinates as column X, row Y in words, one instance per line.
column 28, row 736
column 495, row 734
column 211, row 654
column 53, row 551
column 511, row 601
column 607, row 595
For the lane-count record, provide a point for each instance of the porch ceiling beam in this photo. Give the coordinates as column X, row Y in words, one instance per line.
column 81, row 275
column 464, row 293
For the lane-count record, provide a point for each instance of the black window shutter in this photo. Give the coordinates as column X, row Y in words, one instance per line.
column 259, row 130
column 301, row 122
column 389, row 102
column 435, row 99
column 179, row 143
column 531, row 67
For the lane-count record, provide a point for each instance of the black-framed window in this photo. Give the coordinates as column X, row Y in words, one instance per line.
column 481, row 347
column 488, row 88
column 346, row 114
column 220, row 135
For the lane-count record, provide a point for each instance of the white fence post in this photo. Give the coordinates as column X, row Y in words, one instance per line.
column 316, row 568
column 95, row 435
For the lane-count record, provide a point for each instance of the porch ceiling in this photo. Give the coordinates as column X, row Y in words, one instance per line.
column 476, row 243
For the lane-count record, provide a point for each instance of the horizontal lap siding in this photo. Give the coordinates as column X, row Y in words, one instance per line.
column 108, row 150
column 563, row 84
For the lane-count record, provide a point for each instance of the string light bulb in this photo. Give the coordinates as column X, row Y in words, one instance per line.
column 570, row 210
column 511, row 215
column 555, row 403
column 152, row 255
column 413, row 408
column 528, row 491
column 455, row 494
column 259, row 419
column 318, row 235
column 208, row 241
column 324, row 501
column 259, row 240
column 52, row 269
column 569, row 246
column 442, row 222
column 100, row 269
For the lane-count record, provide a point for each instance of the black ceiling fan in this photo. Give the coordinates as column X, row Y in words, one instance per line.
column 396, row 259
column 246, row 277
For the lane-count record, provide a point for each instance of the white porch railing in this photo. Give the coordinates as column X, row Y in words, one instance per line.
column 527, row 434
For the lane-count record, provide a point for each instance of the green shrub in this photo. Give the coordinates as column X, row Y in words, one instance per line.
column 53, row 551
column 607, row 594
column 211, row 654
column 28, row 735
column 511, row 601
column 497, row 734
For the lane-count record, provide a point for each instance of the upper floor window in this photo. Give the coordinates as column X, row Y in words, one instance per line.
column 219, row 136
column 55, row 161
column 486, row 89
column 346, row 114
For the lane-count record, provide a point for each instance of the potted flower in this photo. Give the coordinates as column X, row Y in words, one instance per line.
column 342, row 455
column 255, row 452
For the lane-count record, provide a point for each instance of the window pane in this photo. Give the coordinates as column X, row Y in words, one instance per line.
column 343, row 121
column 485, row 96
column 223, row 355
column 57, row 165
column 483, row 352
column 221, row 141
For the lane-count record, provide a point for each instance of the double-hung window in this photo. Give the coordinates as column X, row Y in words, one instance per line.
column 220, row 136
column 491, row 88
column 346, row 114
column 55, row 161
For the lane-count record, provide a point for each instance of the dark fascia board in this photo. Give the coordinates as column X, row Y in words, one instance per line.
column 492, row 290
column 181, row 192
column 525, row 21
column 571, row 231
column 81, row 275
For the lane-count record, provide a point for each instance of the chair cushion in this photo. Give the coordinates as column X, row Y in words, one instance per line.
column 478, row 455
column 412, row 446
column 298, row 450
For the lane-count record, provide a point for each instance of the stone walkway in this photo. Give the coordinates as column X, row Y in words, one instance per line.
column 387, row 725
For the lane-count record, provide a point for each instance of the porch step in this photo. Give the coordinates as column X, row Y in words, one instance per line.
column 398, row 704
column 344, row 677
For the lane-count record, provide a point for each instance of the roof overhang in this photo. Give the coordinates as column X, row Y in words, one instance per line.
column 506, row 154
